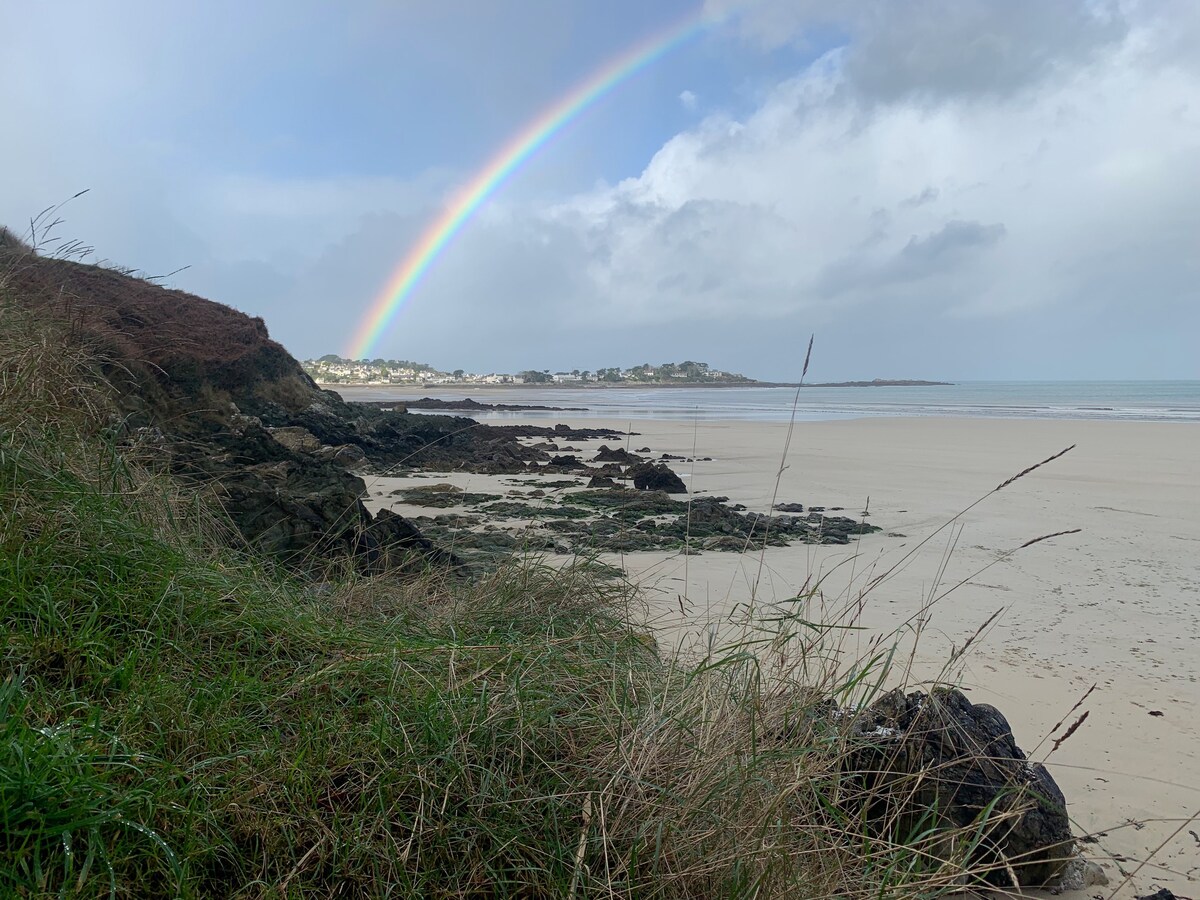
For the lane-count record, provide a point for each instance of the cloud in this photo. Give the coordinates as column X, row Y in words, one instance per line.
column 823, row 204
column 926, row 182
column 950, row 242
column 940, row 254
column 926, row 196
column 941, row 48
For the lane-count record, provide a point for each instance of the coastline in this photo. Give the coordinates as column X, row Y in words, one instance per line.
column 553, row 386
column 1116, row 605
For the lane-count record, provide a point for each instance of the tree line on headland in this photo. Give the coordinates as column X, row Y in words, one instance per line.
column 333, row 369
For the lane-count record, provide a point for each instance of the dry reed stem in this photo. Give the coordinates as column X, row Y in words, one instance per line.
column 1025, row 472
column 1058, row 742
column 787, row 443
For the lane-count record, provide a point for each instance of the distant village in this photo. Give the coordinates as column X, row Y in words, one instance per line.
column 332, row 369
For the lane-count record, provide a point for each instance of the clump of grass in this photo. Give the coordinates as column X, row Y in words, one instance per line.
column 13, row 244
column 177, row 719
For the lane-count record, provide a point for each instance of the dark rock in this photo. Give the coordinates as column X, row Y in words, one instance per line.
column 565, row 462
column 613, row 470
column 349, row 455
column 392, row 542
column 941, row 754
column 233, row 414
column 709, row 516
column 620, row 455
column 643, row 450
column 560, row 432
column 650, row 477
column 512, row 509
column 727, row 543
column 468, row 404
column 601, row 481
column 438, row 497
column 295, row 438
column 790, row 507
column 285, row 503
column 620, row 500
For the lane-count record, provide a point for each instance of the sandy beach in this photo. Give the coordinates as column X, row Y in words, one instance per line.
column 1116, row 605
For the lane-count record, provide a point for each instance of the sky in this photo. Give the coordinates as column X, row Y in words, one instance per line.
column 945, row 189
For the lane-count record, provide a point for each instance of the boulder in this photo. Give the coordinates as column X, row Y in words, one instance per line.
column 349, row 455
column 233, row 413
column 611, row 469
column 938, row 759
column 620, row 455
column 301, row 440
column 391, row 542
column 651, row 477
column 602, row 481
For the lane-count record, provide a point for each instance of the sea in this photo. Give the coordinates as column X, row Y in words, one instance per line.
column 1140, row 401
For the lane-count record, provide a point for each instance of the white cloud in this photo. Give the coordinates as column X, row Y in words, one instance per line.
column 987, row 207
column 951, row 170
column 940, row 48
column 1073, row 198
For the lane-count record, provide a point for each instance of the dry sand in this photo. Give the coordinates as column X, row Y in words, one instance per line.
column 1116, row 605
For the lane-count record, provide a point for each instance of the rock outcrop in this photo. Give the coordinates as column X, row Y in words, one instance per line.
column 622, row 456
column 651, row 477
column 939, row 760
column 231, row 410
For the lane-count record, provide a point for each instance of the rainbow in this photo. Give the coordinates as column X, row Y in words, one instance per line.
column 471, row 196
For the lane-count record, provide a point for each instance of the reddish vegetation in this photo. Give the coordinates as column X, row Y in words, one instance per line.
column 175, row 340
column 181, row 364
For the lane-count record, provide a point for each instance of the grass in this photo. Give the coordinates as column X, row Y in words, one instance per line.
column 181, row 719
column 175, row 723
column 179, row 723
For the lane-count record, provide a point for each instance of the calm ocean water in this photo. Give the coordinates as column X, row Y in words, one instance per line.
column 1166, row 401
